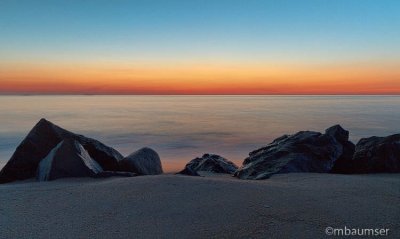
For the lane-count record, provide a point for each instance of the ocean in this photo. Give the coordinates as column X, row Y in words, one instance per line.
column 181, row 128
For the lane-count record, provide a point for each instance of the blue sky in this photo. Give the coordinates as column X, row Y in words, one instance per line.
column 287, row 31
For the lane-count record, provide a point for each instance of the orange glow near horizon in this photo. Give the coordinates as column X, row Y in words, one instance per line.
column 199, row 79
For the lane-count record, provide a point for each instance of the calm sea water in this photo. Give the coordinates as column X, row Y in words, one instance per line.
column 180, row 128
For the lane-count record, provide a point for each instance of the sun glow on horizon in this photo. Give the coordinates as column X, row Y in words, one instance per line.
column 199, row 78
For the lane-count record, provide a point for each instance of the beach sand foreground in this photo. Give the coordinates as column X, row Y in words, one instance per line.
column 298, row 205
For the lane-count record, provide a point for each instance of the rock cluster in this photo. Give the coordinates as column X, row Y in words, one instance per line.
column 305, row 151
column 331, row 152
column 49, row 152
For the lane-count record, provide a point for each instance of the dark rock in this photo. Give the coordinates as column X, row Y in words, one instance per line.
column 305, row 151
column 377, row 155
column 107, row 174
column 210, row 163
column 340, row 134
column 67, row 159
column 344, row 164
column 145, row 161
column 43, row 138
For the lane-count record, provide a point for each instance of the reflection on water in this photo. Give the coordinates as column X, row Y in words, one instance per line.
column 183, row 127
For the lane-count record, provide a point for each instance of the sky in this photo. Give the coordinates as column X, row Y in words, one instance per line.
column 200, row 47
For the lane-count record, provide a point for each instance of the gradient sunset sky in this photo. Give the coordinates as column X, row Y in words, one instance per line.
column 200, row 47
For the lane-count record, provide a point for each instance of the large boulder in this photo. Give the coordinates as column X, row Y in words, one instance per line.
column 43, row 137
column 305, row 151
column 210, row 163
column 67, row 159
column 377, row 155
column 144, row 161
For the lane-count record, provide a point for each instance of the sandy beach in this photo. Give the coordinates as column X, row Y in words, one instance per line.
column 298, row 205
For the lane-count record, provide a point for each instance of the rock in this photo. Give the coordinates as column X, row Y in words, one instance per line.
column 210, row 163
column 107, row 174
column 377, row 155
column 67, row 159
column 145, row 161
column 43, row 137
column 340, row 134
column 305, row 151
column 344, row 164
